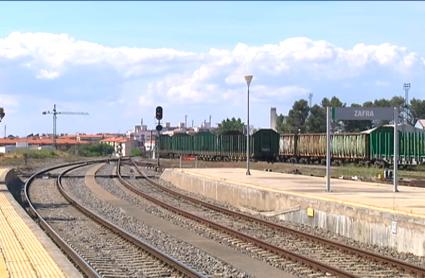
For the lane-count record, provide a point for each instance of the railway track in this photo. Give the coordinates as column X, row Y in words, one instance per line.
column 98, row 247
column 321, row 254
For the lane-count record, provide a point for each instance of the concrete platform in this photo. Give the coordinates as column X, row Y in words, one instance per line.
column 25, row 250
column 367, row 212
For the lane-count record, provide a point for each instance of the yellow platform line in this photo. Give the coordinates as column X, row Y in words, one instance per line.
column 24, row 255
column 3, row 268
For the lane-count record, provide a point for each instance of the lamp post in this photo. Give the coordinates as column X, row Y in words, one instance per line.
column 248, row 79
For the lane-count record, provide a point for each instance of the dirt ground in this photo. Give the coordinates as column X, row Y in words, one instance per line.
column 414, row 176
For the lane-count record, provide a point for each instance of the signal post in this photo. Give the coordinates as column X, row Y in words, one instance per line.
column 158, row 116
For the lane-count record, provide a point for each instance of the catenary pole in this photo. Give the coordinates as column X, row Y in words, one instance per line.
column 395, row 174
column 328, row 149
column 248, row 79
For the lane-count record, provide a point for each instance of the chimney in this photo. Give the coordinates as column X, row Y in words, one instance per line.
column 273, row 118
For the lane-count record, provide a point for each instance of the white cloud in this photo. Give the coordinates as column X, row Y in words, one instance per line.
column 58, row 66
column 9, row 100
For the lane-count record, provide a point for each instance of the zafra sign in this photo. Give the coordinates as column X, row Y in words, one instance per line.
column 360, row 114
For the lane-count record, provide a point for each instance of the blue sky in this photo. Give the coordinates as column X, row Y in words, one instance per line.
column 118, row 60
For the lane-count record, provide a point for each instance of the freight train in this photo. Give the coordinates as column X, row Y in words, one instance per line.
column 371, row 146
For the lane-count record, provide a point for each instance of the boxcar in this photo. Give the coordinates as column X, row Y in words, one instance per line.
column 411, row 144
column 205, row 145
column 182, row 143
column 232, row 146
column 350, row 146
column 165, row 145
column 312, row 146
column 265, row 145
column 286, row 146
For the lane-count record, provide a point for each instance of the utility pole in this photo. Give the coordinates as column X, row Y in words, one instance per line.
column 55, row 113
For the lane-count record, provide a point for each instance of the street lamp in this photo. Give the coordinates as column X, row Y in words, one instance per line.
column 248, row 79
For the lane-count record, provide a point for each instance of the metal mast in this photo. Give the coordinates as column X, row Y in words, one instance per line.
column 55, row 113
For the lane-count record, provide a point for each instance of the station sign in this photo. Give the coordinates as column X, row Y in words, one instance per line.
column 362, row 113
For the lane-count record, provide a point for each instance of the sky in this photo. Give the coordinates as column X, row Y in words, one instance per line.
column 119, row 60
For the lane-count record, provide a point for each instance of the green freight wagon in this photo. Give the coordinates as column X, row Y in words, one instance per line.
column 411, row 144
column 205, row 145
column 165, row 146
column 182, row 143
column 232, row 146
column 265, row 145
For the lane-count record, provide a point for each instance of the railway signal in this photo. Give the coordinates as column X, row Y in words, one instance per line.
column 158, row 113
column 55, row 113
column 158, row 116
column 1, row 113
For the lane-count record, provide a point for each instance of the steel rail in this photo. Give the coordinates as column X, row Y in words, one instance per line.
column 180, row 267
column 260, row 243
column 79, row 261
column 411, row 268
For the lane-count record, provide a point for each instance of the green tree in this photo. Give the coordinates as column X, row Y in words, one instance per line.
column 418, row 109
column 316, row 121
column 95, row 150
column 232, row 125
column 297, row 116
column 136, row 152
column 281, row 124
column 334, row 102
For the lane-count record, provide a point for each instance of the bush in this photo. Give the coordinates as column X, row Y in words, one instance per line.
column 95, row 150
column 136, row 152
column 37, row 154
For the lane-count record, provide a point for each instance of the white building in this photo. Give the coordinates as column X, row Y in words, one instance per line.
column 7, row 148
column 420, row 124
column 122, row 145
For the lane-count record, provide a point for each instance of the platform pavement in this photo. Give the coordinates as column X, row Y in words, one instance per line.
column 409, row 201
column 25, row 250
column 368, row 212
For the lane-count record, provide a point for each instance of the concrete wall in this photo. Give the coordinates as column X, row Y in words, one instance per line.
column 404, row 233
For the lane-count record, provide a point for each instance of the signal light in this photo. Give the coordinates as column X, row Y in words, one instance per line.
column 158, row 113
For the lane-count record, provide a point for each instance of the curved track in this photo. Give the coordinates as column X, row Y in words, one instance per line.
column 129, row 256
column 384, row 265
